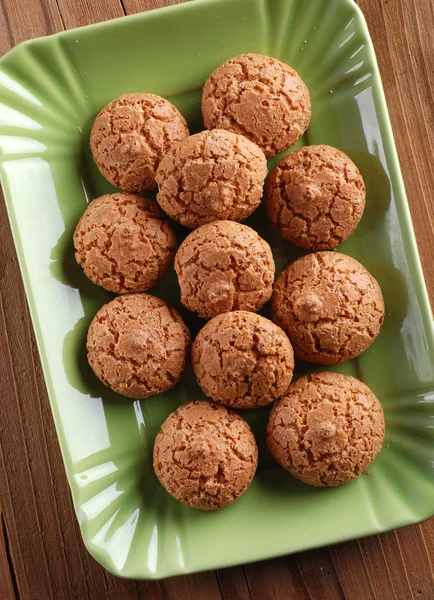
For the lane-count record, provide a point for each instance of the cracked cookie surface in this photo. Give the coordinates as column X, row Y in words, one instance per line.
column 211, row 175
column 315, row 197
column 130, row 137
column 205, row 455
column 242, row 360
column 329, row 305
column 138, row 345
column 224, row 266
column 124, row 243
column 259, row 97
column 327, row 429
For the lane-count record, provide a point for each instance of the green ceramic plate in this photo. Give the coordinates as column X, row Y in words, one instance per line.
column 50, row 91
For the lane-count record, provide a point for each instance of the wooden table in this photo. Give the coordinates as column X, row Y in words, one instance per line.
column 41, row 552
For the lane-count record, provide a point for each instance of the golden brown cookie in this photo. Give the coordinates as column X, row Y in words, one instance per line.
column 327, row 429
column 124, row 243
column 315, row 197
column 224, row 266
column 130, row 137
column 138, row 345
column 260, row 97
column 329, row 305
column 211, row 175
column 205, row 455
column 242, row 360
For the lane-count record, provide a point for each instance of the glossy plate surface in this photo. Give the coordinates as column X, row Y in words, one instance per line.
column 50, row 91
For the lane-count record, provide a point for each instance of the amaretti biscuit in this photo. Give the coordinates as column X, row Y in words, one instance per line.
column 124, row 243
column 260, row 97
column 242, row 360
column 138, row 345
column 211, row 175
column 205, row 455
column 327, row 429
column 315, row 197
column 224, row 266
column 131, row 135
column 329, row 305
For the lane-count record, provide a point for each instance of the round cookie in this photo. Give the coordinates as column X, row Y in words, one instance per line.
column 211, row 175
column 327, row 429
column 329, row 305
column 224, row 266
column 124, row 243
column 138, row 345
column 242, row 360
column 205, row 455
column 260, row 97
column 315, row 197
column 131, row 135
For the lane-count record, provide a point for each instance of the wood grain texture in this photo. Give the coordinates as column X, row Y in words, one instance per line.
column 76, row 14
column 41, row 552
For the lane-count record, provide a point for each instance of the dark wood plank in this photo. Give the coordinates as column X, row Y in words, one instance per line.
column 22, row 518
column 395, row 565
column 319, row 575
column 404, row 47
column 41, row 553
column 85, row 12
column 29, row 19
column 377, row 569
column 352, row 571
column 233, row 583
column 278, row 578
column 193, row 587
column 8, row 582
column 417, row 561
column 136, row 6
column 427, row 535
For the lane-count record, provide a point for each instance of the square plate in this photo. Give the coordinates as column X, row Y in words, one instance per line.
column 50, row 91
